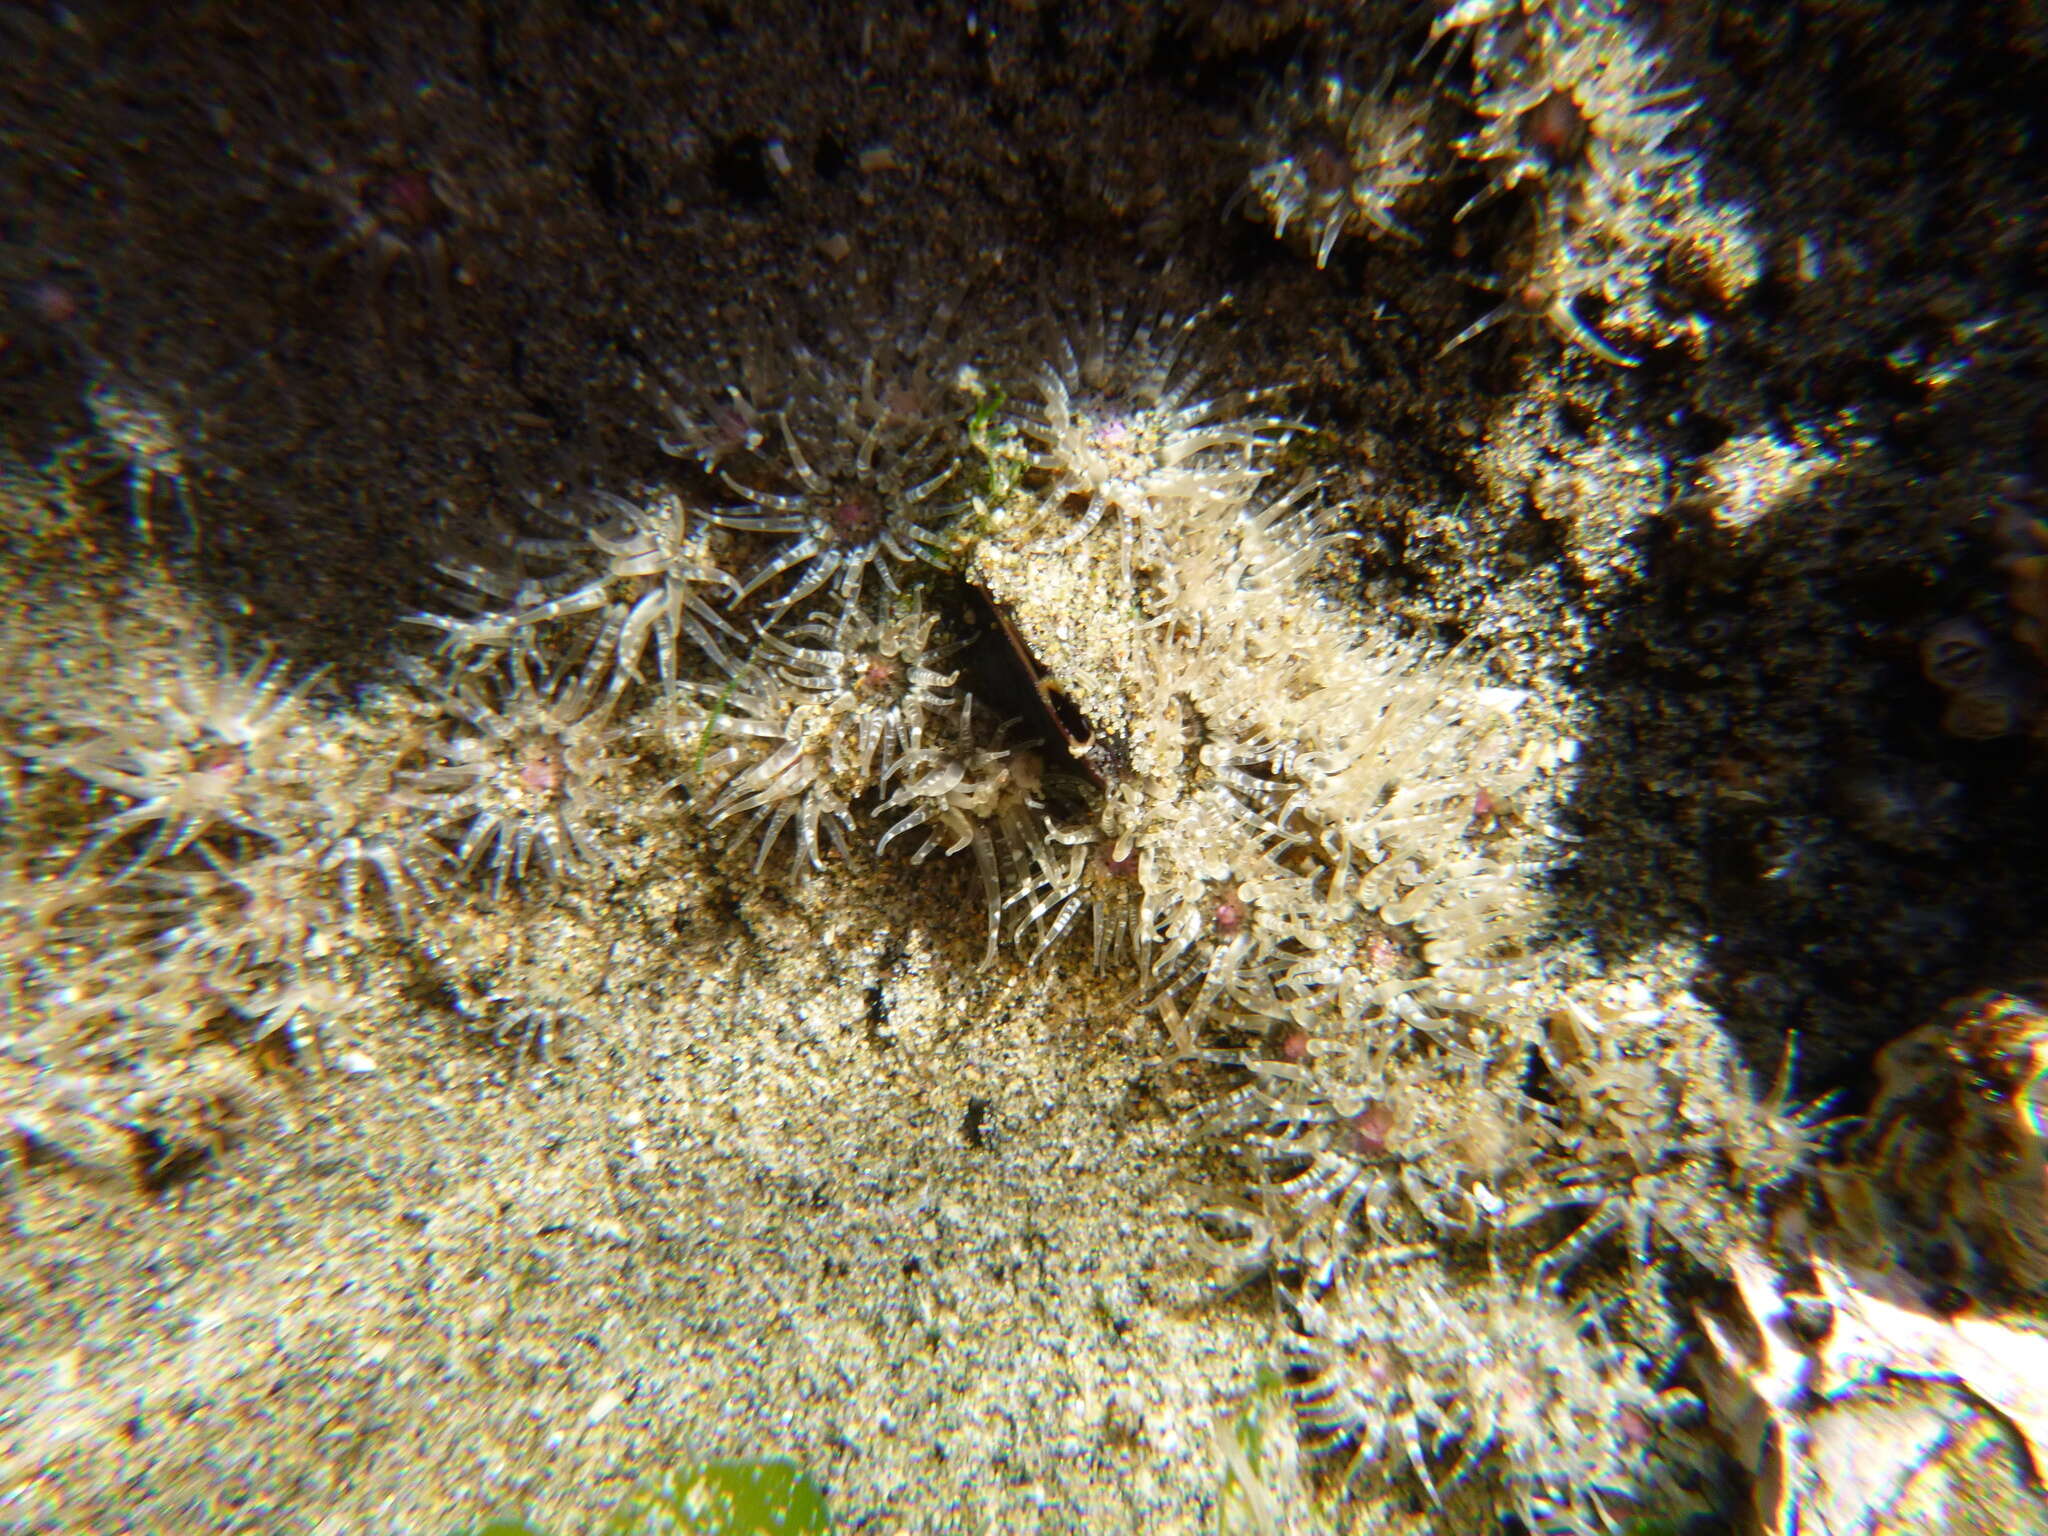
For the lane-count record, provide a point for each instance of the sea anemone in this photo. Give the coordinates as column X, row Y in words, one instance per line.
column 514, row 771
column 1119, row 423
column 247, row 913
column 400, row 216
column 1567, row 91
column 372, row 836
column 1335, row 160
column 817, row 719
column 1406, row 1368
column 1571, row 104
column 867, row 500
column 1086, row 875
column 138, row 425
column 644, row 567
column 211, row 753
column 984, row 798
column 849, row 467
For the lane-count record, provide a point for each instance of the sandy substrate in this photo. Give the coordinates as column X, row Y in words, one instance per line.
column 817, row 1191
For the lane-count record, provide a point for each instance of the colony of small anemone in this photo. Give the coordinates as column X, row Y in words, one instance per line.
column 156, row 917
column 1569, row 117
column 1055, row 615
column 1310, row 852
column 199, row 858
column 1571, row 104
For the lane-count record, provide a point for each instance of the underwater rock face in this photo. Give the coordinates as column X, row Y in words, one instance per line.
column 1048, row 651
column 1050, row 608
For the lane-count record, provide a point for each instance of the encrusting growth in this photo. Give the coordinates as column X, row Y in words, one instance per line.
column 1573, row 121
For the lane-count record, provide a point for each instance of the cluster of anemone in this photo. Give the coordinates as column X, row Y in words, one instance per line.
column 1627, row 1131
column 1247, row 763
column 199, row 856
column 1315, row 851
column 1059, row 622
column 169, row 911
column 1311, row 853
column 1570, row 120
column 1571, row 105
column 1448, row 1380
column 1208, row 792
column 769, row 628
column 212, row 853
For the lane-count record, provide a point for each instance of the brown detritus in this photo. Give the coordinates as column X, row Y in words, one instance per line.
column 1948, row 1172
